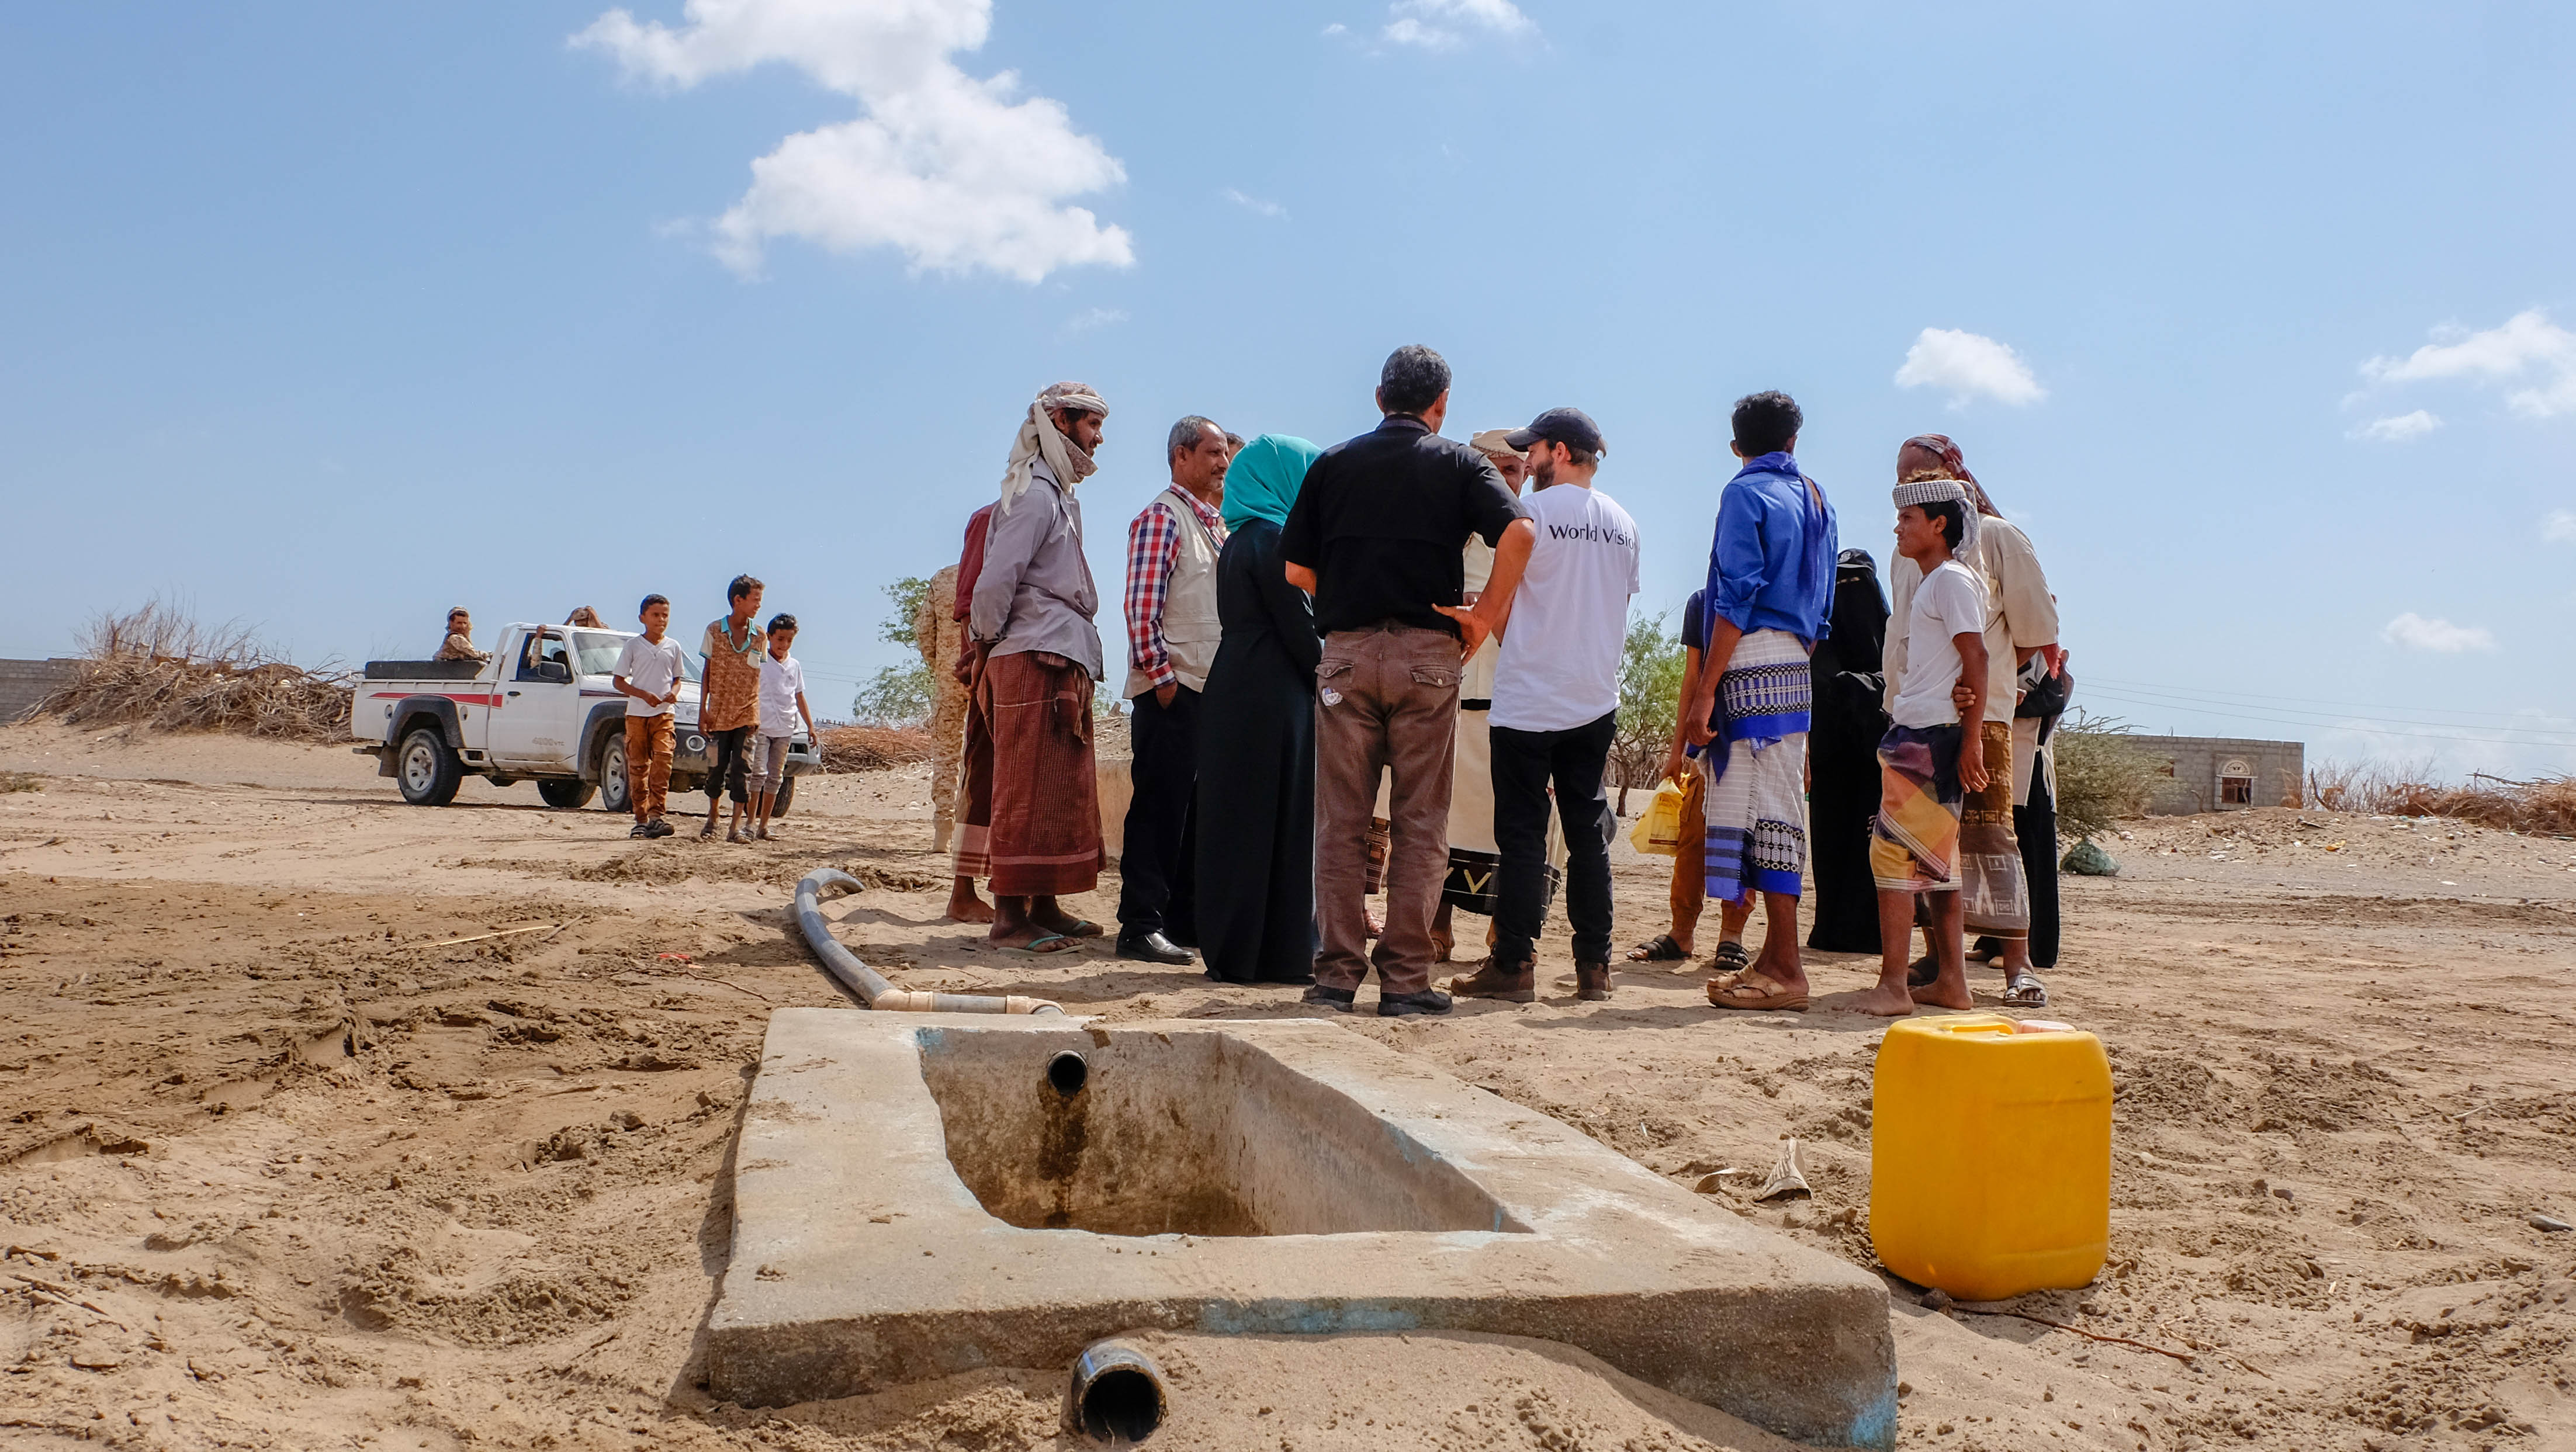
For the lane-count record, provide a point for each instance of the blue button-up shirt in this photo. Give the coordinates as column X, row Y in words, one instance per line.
column 1772, row 565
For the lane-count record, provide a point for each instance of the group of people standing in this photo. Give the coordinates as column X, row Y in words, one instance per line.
column 751, row 697
column 1395, row 662
column 1909, row 744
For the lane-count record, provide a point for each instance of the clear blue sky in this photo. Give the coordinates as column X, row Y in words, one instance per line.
column 322, row 317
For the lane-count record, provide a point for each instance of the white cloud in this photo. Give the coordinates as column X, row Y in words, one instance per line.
column 1253, row 203
column 1441, row 24
column 952, row 171
column 2398, row 429
column 1337, row 28
column 2526, row 345
column 1968, row 365
column 2559, row 527
column 1090, row 318
column 2417, row 633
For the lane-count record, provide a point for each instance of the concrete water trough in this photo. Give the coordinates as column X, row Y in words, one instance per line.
column 918, row 1195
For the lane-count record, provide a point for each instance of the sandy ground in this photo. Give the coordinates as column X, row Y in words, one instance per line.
column 287, row 1166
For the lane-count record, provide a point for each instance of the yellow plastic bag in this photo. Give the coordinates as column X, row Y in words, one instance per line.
column 1659, row 826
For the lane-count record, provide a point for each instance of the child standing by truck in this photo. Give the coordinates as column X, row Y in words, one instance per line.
column 782, row 705
column 648, row 675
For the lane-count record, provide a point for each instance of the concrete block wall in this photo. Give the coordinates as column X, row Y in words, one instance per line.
column 2271, row 773
column 25, row 682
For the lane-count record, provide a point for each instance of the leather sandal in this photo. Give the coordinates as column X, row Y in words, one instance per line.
column 1754, row 992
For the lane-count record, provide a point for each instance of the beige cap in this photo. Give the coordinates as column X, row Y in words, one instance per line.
column 1493, row 441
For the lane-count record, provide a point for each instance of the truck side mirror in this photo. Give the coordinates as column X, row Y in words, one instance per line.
column 555, row 671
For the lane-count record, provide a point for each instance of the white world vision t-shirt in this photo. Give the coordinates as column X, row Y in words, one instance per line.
column 781, row 682
column 1950, row 602
column 1559, row 666
column 649, row 668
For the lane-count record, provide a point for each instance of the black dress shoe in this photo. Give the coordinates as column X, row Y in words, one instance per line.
column 1152, row 948
column 1323, row 997
column 1405, row 1005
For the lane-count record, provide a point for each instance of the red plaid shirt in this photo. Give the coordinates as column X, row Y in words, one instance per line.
column 1153, row 546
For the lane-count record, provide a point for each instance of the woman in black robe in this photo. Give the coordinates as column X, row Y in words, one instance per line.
column 1848, row 719
column 1256, row 803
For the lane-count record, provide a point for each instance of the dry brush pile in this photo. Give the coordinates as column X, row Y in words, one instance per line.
column 159, row 668
column 2546, row 805
column 872, row 748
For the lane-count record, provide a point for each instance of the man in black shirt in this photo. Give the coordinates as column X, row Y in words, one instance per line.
column 1376, row 536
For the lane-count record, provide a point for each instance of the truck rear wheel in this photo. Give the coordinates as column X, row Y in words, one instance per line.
column 613, row 788
column 786, row 794
column 567, row 793
column 427, row 770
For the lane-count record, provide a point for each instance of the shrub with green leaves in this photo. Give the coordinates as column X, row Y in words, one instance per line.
column 2103, row 775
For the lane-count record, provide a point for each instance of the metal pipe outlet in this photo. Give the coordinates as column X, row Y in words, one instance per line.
column 870, row 985
column 1116, row 1396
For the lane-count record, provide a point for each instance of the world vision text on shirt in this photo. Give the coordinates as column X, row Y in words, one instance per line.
column 1559, row 667
column 1595, row 531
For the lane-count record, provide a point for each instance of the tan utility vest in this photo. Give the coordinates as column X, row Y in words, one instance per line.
column 1190, row 629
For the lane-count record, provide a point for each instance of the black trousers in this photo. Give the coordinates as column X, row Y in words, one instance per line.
column 2036, row 826
column 1526, row 763
column 729, row 757
column 1158, row 878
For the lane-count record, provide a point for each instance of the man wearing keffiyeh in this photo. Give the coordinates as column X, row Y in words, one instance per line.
column 1039, row 656
column 2002, row 887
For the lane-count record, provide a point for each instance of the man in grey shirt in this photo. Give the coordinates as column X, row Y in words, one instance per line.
column 1040, row 655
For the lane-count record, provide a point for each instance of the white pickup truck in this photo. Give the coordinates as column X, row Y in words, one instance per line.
column 543, row 709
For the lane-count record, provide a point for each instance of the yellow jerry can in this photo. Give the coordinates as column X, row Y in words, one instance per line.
column 1990, row 1155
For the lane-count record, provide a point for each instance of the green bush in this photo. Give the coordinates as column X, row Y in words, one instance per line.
column 2102, row 774
column 1650, row 688
column 899, row 695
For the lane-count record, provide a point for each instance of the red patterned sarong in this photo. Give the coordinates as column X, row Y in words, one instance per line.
column 1044, row 837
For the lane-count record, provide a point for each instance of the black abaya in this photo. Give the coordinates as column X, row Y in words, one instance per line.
column 1842, row 751
column 2036, row 825
column 1256, row 804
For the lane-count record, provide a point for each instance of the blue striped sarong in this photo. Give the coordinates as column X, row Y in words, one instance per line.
column 1757, row 793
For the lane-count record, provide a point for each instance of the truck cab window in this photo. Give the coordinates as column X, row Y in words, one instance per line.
column 540, row 649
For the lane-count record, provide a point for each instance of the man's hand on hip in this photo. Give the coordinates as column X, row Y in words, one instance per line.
column 1472, row 629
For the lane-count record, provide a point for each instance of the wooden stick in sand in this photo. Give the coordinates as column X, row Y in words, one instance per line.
column 2184, row 1357
column 479, row 937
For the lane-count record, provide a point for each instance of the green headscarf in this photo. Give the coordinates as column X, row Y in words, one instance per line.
column 1263, row 480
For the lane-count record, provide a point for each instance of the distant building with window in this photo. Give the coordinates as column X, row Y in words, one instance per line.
column 2225, row 773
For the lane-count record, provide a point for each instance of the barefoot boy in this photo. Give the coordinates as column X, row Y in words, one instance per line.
column 1914, row 844
column 649, row 671
column 782, row 705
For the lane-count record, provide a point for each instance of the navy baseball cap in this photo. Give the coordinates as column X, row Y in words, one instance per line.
column 1571, row 427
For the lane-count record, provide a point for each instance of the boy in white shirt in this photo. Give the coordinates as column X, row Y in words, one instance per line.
column 782, row 704
column 649, row 672
column 1914, row 843
column 1556, row 707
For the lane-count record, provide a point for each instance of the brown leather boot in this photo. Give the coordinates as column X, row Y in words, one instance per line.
column 1493, row 980
column 1592, row 982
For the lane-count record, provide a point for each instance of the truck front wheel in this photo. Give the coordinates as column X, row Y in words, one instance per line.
column 428, row 771
column 612, row 775
column 565, row 792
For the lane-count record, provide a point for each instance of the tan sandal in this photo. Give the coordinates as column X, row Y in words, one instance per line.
column 1751, row 991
